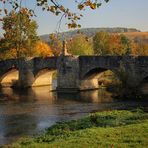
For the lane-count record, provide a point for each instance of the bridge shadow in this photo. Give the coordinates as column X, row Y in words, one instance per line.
column 91, row 96
column 144, row 86
column 44, row 94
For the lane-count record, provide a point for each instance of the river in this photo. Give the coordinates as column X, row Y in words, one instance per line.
column 28, row 112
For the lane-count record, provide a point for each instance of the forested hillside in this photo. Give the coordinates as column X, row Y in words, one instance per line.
column 89, row 32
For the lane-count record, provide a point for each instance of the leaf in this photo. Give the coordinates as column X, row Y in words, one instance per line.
column 69, row 26
column 79, row 26
column 73, row 25
column 6, row 12
column 87, row 3
column 57, row 12
column 93, row 6
column 98, row 5
column 80, row 6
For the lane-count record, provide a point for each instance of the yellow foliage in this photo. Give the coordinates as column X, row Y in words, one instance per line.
column 12, row 53
column 43, row 49
column 23, row 52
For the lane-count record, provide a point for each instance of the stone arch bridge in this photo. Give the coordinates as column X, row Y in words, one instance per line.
column 73, row 72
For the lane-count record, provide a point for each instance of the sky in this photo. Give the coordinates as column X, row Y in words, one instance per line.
column 115, row 13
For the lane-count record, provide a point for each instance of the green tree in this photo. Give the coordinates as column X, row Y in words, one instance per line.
column 20, row 32
column 80, row 45
column 126, row 43
column 100, row 43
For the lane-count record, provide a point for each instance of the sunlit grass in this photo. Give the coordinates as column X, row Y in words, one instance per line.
column 103, row 129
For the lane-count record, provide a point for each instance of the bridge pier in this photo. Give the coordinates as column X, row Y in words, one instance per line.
column 26, row 76
column 69, row 76
column 29, row 78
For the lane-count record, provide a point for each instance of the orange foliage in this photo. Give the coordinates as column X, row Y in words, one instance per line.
column 13, row 53
column 43, row 49
column 139, row 49
column 115, row 45
column 134, row 48
column 144, row 49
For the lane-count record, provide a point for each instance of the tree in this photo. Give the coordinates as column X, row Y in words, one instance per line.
column 57, row 8
column 80, row 45
column 20, row 32
column 126, row 43
column 43, row 49
column 140, row 49
column 7, row 54
column 111, row 44
column 118, row 45
column 55, row 44
column 100, row 43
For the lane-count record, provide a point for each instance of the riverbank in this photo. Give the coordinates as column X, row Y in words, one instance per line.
column 102, row 129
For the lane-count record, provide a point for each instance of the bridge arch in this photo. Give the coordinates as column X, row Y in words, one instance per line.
column 9, row 77
column 97, row 77
column 43, row 77
column 8, row 72
column 93, row 73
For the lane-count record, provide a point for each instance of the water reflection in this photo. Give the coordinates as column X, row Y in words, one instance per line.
column 98, row 96
column 27, row 112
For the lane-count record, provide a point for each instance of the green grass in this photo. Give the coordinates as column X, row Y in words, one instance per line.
column 103, row 129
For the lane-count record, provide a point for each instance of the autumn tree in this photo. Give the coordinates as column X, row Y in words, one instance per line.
column 42, row 49
column 140, row 49
column 118, row 45
column 20, row 32
column 18, row 7
column 111, row 44
column 80, row 45
column 55, row 44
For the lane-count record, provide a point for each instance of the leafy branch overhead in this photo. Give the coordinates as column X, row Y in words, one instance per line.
column 55, row 7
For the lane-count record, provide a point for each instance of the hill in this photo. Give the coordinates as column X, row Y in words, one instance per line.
column 138, row 37
column 89, row 32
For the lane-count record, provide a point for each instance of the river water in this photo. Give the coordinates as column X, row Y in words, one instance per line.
column 28, row 112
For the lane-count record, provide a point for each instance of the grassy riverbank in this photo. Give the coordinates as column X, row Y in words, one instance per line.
column 102, row 129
